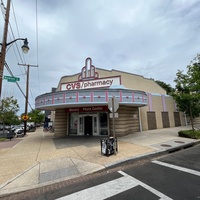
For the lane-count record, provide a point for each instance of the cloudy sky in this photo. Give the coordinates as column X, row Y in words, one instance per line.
column 151, row 38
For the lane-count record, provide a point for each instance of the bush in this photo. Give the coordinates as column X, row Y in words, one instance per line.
column 190, row 134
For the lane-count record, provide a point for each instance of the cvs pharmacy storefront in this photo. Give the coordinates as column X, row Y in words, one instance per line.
column 80, row 104
column 88, row 120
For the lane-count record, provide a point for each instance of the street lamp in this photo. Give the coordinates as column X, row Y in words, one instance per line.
column 25, row 49
column 4, row 44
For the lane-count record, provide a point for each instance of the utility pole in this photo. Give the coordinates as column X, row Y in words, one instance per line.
column 27, row 89
column 3, row 46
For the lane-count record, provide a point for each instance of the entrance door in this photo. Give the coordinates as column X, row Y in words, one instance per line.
column 88, row 125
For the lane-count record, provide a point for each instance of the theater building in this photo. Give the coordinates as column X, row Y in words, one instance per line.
column 81, row 104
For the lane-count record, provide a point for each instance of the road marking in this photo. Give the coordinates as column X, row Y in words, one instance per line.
column 111, row 188
column 156, row 192
column 196, row 173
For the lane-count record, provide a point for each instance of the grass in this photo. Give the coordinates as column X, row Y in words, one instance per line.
column 190, row 134
column 2, row 139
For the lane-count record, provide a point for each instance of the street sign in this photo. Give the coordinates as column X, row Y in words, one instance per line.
column 113, row 106
column 25, row 117
column 11, row 78
column 116, row 115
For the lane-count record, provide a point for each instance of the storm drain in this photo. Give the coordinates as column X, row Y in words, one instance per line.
column 165, row 145
column 181, row 142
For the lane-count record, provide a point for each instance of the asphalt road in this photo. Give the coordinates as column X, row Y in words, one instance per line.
column 174, row 176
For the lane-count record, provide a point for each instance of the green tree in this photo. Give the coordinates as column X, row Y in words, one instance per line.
column 8, row 110
column 187, row 91
column 169, row 89
column 36, row 116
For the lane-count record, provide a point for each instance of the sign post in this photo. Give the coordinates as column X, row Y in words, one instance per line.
column 113, row 105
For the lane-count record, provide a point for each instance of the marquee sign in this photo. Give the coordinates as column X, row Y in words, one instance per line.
column 89, row 79
column 97, row 83
column 88, row 109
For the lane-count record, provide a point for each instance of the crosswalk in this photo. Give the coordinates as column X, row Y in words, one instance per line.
column 183, row 169
column 123, row 185
column 111, row 188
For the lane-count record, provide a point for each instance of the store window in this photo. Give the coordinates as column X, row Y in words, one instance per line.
column 73, row 123
column 103, row 123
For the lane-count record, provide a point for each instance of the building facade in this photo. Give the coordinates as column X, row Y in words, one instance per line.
column 84, row 104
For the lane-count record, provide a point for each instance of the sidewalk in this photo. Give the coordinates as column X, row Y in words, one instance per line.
column 40, row 159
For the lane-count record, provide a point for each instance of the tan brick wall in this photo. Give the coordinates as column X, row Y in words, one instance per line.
column 60, row 125
column 126, row 123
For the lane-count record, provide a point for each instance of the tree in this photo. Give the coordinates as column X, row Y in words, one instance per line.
column 187, row 91
column 36, row 116
column 166, row 86
column 8, row 110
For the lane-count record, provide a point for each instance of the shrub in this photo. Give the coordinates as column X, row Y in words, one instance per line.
column 190, row 134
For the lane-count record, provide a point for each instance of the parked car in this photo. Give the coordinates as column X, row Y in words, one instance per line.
column 9, row 134
column 18, row 130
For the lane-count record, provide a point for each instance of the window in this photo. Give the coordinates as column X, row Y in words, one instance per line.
column 103, row 123
column 73, row 123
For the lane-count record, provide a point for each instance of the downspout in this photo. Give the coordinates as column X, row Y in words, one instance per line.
column 140, row 121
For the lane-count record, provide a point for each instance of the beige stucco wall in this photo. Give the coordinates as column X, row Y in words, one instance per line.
column 158, row 108
column 170, row 108
column 125, row 123
column 128, row 80
column 143, row 117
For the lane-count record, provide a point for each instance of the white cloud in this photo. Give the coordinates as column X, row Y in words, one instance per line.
column 150, row 38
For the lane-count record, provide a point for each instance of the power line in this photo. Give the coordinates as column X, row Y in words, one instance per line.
column 10, row 72
column 27, row 90
column 17, row 33
column 37, row 40
column 11, row 35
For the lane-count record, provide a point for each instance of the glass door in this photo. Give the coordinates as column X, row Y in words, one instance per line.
column 81, row 125
column 88, row 124
column 95, row 125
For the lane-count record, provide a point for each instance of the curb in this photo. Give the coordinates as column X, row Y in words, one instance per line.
column 151, row 155
column 113, row 165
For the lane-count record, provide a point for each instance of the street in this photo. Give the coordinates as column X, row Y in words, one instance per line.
column 176, row 176
column 173, row 176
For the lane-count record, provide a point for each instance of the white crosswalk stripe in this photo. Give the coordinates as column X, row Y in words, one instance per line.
column 196, row 173
column 112, row 188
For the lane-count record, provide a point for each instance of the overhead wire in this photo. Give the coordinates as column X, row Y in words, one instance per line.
column 21, row 56
column 11, row 35
column 3, row 9
column 37, row 45
column 10, row 72
column 37, row 40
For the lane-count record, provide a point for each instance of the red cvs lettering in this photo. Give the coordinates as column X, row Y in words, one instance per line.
column 73, row 86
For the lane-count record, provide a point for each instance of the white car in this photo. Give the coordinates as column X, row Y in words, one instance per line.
column 18, row 131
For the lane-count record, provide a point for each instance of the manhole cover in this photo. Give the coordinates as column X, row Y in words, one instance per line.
column 165, row 145
column 179, row 142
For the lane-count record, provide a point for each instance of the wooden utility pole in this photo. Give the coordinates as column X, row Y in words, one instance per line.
column 3, row 45
column 27, row 89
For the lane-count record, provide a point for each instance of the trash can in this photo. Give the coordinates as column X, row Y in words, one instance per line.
column 108, row 146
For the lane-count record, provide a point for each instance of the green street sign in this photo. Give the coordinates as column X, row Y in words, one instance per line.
column 11, row 78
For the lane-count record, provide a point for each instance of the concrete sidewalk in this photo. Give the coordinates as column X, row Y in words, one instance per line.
column 39, row 159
